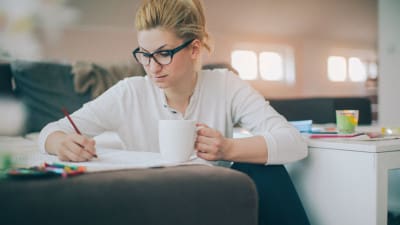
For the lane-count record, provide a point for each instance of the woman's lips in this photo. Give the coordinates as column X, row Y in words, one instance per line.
column 160, row 78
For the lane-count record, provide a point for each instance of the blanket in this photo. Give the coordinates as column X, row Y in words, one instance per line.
column 98, row 78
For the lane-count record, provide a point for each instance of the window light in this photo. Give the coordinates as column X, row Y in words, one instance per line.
column 357, row 70
column 271, row 66
column 336, row 68
column 264, row 62
column 373, row 70
column 245, row 62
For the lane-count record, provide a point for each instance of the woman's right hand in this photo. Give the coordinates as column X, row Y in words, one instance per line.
column 71, row 147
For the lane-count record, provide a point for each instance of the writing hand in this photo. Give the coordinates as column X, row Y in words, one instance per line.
column 76, row 148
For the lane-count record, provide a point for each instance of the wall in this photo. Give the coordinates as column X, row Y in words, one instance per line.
column 310, row 54
column 105, row 33
column 389, row 55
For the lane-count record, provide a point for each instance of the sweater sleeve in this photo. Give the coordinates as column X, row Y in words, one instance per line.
column 95, row 117
column 251, row 111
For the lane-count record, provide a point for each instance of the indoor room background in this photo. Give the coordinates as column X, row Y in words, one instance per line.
column 305, row 32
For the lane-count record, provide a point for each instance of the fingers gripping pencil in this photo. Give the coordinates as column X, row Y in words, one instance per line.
column 73, row 124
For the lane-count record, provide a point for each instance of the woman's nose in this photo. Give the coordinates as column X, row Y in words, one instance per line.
column 154, row 66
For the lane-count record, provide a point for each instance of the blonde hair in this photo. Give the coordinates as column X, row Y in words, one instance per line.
column 184, row 17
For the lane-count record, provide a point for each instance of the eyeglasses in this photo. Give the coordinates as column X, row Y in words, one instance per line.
column 162, row 57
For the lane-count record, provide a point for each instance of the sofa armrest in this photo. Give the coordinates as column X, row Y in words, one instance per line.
column 182, row 195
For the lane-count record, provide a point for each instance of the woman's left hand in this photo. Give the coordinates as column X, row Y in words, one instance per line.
column 211, row 144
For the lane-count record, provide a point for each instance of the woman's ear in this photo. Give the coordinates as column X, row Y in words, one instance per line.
column 196, row 48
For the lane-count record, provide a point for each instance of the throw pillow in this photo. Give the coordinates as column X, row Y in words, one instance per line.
column 45, row 87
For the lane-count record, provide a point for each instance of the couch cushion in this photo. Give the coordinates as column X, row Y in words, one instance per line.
column 45, row 87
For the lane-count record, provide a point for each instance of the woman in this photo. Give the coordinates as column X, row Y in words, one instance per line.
column 171, row 37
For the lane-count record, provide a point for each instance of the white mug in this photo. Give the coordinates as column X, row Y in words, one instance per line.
column 177, row 139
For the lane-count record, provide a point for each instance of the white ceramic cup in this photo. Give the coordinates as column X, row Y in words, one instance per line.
column 177, row 139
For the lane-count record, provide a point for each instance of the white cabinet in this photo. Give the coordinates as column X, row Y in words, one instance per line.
column 345, row 182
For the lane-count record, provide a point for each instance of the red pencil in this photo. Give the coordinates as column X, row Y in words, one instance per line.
column 70, row 120
column 72, row 123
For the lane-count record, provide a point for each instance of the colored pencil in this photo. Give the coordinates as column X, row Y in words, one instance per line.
column 73, row 124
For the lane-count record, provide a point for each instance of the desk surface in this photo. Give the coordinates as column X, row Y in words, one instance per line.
column 369, row 146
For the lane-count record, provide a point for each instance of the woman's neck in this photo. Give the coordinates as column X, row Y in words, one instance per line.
column 179, row 97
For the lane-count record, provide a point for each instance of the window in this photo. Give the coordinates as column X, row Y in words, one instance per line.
column 357, row 70
column 272, row 63
column 271, row 66
column 372, row 70
column 336, row 68
column 339, row 70
column 352, row 65
column 245, row 62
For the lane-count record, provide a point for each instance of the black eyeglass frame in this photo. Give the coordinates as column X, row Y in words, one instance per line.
column 170, row 52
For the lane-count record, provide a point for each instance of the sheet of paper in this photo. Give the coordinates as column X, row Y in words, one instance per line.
column 368, row 138
column 109, row 159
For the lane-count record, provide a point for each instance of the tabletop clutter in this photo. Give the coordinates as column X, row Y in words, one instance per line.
column 346, row 126
column 43, row 170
